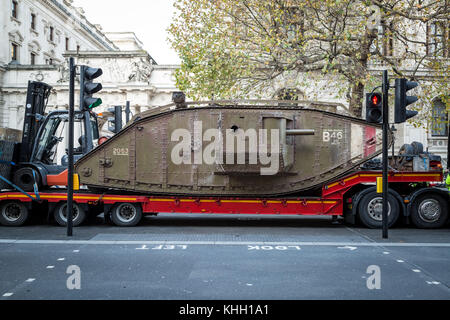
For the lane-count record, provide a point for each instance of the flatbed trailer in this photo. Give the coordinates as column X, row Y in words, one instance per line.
column 354, row 196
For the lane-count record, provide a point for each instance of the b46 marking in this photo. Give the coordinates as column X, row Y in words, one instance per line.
column 334, row 136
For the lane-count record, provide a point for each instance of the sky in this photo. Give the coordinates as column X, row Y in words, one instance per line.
column 148, row 19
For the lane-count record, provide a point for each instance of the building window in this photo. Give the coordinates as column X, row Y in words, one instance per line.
column 438, row 39
column 440, row 120
column 52, row 30
column 14, row 52
column 33, row 21
column 67, row 44
column 32, row 59
column 15, row 10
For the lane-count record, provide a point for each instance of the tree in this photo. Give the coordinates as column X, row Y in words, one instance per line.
column 237, row 48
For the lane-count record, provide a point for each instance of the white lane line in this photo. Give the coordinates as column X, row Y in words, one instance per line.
column 385, row 252
column 8, row 294
column 76, row 251
column 50, row 267
column 30, row 280
column 433, row 282
column 348, row 247
column 416, row 270
column 400, row 261
column 61, row 259
column 235, row 243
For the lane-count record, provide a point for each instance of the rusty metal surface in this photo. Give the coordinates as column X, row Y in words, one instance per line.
column 314, row 148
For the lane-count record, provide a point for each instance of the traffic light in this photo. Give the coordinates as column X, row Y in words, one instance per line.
column 88, row 88
column 402, row 86
column 115, row 122
column 374, row 107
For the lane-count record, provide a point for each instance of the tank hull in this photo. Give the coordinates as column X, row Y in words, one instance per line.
column 231, row 150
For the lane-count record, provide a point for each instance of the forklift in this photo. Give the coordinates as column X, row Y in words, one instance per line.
column 41, row 159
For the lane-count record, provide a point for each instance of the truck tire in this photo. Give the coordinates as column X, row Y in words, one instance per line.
column 370, row 210
column 60, row 214
column 13, row 214
column 23, row 178
column 126, row 214
column 429, row 211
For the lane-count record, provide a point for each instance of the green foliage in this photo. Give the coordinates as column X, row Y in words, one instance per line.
column 240, row 48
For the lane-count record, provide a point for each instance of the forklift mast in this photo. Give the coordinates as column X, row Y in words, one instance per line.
column 37, row 98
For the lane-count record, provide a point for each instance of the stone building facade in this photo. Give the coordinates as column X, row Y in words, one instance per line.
column 38, row 37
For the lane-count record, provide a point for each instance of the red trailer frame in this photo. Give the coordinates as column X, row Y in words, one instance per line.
column 331, row 203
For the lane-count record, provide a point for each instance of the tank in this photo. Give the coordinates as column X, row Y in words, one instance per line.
column 231, row 149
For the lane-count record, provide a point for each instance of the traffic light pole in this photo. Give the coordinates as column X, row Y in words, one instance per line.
column 385, row 152
column 70, row 153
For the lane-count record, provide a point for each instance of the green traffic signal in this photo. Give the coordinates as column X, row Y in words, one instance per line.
column 93, row 102
column 88, row 88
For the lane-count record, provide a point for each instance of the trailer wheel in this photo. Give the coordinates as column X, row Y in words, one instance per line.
column 13, row 214
column 370, row 210
column 429, row 211
column 60, row 214
column 126, row 214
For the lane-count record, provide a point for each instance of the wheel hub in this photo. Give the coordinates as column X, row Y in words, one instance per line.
column 429, row 210
column 74, row 213
column 375, row 209
column 126, row 212
column 11, row 212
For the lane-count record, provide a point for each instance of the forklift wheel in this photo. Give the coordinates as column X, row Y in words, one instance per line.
column 23, row 178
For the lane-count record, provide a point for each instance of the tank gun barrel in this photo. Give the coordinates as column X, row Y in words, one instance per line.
column 300, row 132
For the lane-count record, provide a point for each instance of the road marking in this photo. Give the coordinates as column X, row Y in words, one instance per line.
column 236, row 243
column 433, row 282
column 30, row 280
column 385, row 252
column 279, row 248
column 144, row 247
column 400, row 261
column 50, row 267
column 76, row 251
column 416, row 270
column 61, row 259
column 348, row 248
column 8, row 294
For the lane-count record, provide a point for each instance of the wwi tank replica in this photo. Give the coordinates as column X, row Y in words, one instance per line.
column 230, row 149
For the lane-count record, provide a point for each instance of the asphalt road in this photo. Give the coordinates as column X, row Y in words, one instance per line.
column 223, row 257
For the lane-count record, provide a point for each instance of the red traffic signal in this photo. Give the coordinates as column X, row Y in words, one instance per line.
column 374, row 109
column 375, row 99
